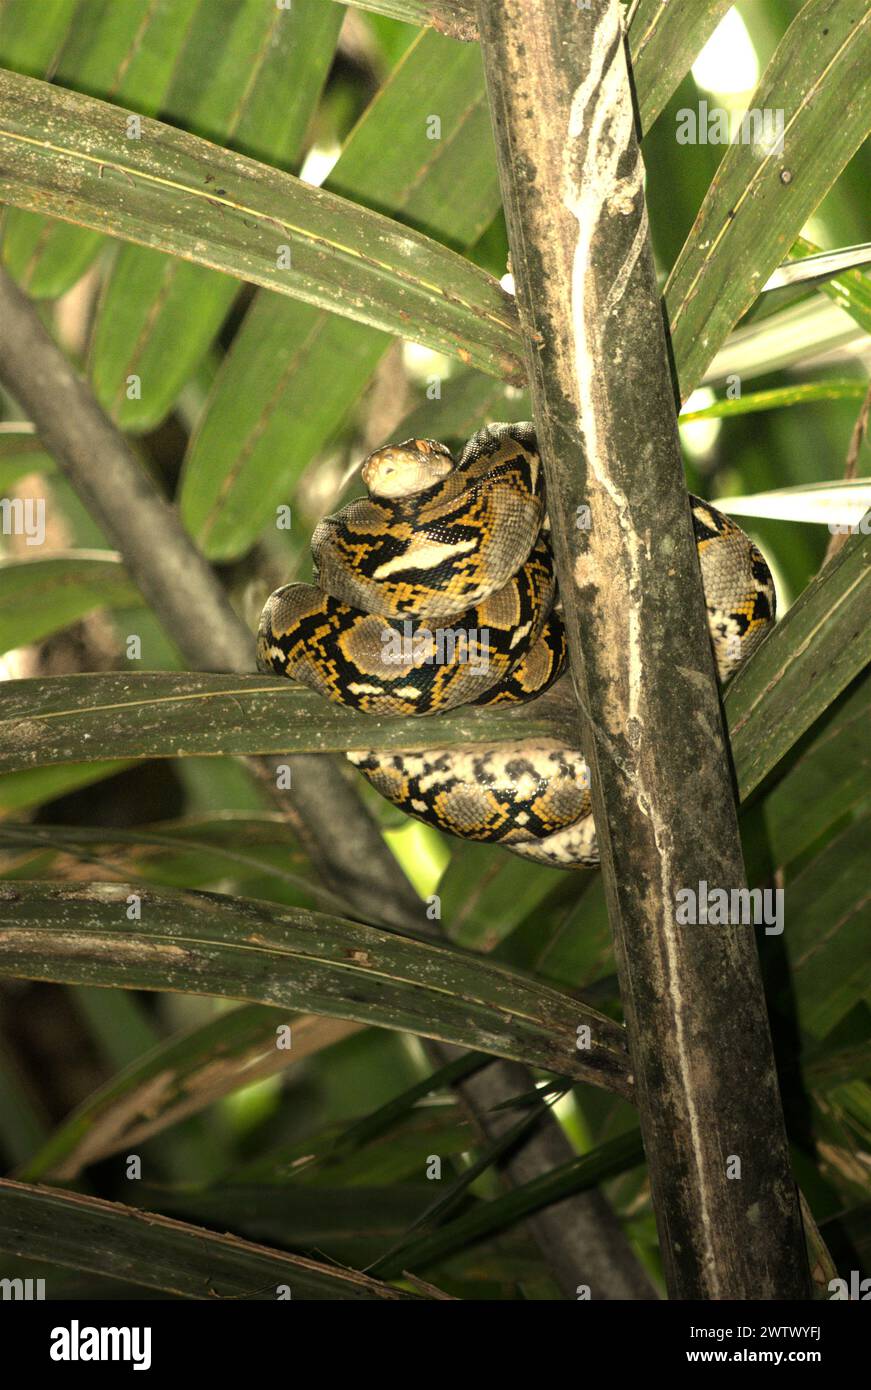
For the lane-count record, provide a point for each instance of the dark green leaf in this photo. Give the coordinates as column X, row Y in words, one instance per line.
column 248, row 79
column 143, row 1248
column 242, row 949
column 39, row 596
column 809, row 658
column 763, row 195
column 68, row 155
column 123, row 53
column 163, row 714
column 176, row 1079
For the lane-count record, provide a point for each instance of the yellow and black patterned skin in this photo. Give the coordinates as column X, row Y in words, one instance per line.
column 439, row 551
column 739, row 590
column 414, row 665
column 438, row 590
column 510, row 793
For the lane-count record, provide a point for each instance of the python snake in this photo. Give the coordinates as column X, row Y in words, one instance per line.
column 438, row 590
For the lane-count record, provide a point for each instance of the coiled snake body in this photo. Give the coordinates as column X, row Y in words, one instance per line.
column 438, row 590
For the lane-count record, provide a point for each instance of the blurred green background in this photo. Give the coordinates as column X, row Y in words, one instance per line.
column 238, row 401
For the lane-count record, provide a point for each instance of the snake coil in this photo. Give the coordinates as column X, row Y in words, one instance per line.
column 438, row 590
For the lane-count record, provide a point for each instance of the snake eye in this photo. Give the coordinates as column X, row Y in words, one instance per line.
column 422, row 446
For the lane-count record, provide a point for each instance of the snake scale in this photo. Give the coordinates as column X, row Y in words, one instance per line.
column 438, row 590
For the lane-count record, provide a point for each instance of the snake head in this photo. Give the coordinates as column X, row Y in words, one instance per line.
column 403, row 470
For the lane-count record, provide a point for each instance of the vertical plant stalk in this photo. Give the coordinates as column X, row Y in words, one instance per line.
column 584, row 1240
column 649, row 712
column 334, row 827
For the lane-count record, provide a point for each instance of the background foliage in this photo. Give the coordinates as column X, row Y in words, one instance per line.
column 245, row 387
